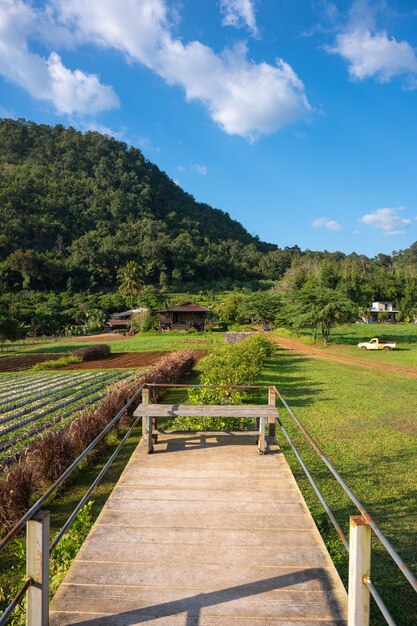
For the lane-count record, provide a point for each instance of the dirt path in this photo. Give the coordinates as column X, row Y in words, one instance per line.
column 328, row 355
column 103, row 337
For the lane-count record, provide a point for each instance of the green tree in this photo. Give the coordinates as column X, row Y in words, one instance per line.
column 9, row 326
column 263, row 306
column 321, row 307
column 129, row 280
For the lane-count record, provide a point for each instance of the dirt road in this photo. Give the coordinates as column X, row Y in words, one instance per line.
column 328, row 354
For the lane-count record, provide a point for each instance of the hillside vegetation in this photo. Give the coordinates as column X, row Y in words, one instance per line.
column 78, row 206
column 78, row 209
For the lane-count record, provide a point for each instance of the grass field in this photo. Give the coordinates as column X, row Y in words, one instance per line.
column 365, row 423
column 143, row 342
column 364, row 420
column 344, row 340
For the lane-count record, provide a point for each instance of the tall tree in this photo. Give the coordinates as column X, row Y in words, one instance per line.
column 129, row 280
column 320, row 307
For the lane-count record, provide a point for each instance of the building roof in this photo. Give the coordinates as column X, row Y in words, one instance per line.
column 187, row 308
column 116, row 316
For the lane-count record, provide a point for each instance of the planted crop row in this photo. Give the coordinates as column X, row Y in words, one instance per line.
column 22, row 389
column 33, row 401
column 13, row 446
column 84, row 391
column 18, row 384
column 63, row 406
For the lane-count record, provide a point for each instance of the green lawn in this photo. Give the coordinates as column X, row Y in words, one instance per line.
column 365, row 423
column 344, row 340
column 143, row 342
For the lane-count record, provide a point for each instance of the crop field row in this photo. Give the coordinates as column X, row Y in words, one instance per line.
column 31, row 404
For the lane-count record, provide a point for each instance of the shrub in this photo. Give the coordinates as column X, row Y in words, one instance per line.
column 233, row 364
column 17, row 487
column 56, row 364
column 91, row 353
column 51, row 455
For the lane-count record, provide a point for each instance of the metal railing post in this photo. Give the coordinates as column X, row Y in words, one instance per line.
column 359, row 571
column 37, row 568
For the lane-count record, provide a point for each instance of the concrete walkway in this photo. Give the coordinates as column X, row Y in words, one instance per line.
column 203, row 532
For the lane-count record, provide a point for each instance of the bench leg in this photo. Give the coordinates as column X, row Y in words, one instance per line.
column 261, row 438
column 147, row 433
column 271, row 427
column 155, row 427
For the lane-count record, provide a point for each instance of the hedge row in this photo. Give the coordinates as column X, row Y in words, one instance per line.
column 233, row 364
column 91, row 353
column 50, row 455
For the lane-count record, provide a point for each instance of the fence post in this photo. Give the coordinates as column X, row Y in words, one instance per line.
column 37, row 567
column 271, row 420
column 359, row 571
column 147, row 424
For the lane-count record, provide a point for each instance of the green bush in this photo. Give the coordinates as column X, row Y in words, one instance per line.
column 233, row 364
column 92, row 353
column 56, row 364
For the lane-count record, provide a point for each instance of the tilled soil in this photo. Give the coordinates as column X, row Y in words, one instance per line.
column 21, row 362
column 115, row 360
column 328, row 355
column 127, row 360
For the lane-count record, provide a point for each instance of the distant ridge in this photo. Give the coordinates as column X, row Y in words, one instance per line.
column 85, row 203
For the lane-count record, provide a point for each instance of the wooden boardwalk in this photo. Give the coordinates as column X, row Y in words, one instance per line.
column 203, row 532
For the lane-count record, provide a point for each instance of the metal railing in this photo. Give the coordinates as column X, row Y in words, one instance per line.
column 359, row 546
column 36, row 586
column 38, row 550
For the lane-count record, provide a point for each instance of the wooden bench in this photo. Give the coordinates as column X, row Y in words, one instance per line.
column 263, row 413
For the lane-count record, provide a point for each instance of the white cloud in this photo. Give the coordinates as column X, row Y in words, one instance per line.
column 243, row 97
column 387, row 220
column 372, row 53
column 324, row 222
column 375, row 55
column 201, row 169
column 46, row 78
column 239, row 13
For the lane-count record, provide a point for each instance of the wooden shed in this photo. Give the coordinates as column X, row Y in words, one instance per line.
column 184, row 316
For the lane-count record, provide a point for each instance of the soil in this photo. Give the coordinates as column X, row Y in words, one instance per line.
column 115, row 360
column 326, row 354
column 22, row 362
column 102, row 337
column 127, row 360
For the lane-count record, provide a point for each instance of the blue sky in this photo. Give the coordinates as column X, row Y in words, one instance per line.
column 296, row 117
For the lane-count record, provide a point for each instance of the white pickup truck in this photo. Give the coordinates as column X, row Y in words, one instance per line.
column 375, row 344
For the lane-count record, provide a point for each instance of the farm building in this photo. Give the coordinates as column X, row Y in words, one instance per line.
column 124, row 318
column 383, row 312
column 184, row 316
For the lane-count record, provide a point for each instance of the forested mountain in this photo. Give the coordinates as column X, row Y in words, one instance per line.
column 79, row 206
column 76, row 207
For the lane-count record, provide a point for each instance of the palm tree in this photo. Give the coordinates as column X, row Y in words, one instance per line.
column 129, row 281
